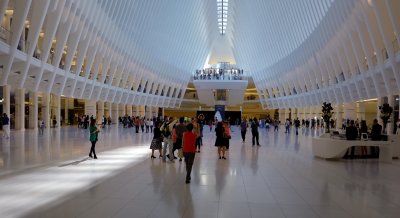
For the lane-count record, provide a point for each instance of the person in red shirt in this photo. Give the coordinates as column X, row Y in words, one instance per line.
column 189, row 149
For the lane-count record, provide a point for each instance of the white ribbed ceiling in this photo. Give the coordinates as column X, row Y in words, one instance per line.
column 181, row 34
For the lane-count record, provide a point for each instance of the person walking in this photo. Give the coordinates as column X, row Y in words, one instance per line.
column 196, row 129
column 94, row 132
column 276, row 125
column 219, row 141
column 243, row 129
column 189, row 149
column 254, row 132
column 6, row 125
column 151, row 123
column 166, row 132
column 156, row 143
column 179, row 129
column 297, row 125
column 287, row 126
column 41, row 127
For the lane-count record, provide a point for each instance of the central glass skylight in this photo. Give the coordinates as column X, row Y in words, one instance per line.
column 222, row 11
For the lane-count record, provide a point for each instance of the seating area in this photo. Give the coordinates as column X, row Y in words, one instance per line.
column 328, row 146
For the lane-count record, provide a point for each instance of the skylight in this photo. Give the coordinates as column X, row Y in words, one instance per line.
column 222, row 12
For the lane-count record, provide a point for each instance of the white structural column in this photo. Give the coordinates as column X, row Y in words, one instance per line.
column 46, row 109
column 155, row 112
column 56, row 109
column 6, row 99
column 147, row 111
column 122, row 109
column 108, row 109
column 349, row 110
column 141, row 111
column 33, row 110
column 338, row 113
column 66, row 115
column 115, row 113
column 90, row 108
column 20, row 109
column 361, row 111
column 378, row 113
column 282, row 115
column 129, row 109
column 100, row 110
column 137, row 110
column 390, row 125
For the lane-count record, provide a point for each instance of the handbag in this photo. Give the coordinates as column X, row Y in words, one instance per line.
column 180, row 153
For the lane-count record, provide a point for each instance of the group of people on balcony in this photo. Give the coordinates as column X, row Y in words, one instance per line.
column 218, row 74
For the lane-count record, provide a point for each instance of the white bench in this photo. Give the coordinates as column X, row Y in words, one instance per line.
column 328, row 148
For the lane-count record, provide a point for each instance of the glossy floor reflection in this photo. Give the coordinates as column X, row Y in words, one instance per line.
column 278, row 179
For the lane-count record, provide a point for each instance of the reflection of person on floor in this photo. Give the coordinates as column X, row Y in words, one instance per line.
column 94, row 132
column 189, row 149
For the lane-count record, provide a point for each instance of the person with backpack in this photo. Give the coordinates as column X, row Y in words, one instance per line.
column 243, row 129
column 254, row 132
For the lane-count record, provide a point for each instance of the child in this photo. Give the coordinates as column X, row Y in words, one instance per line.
column 189, row 149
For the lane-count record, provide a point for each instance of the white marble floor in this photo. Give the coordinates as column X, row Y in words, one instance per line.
column 278, row 179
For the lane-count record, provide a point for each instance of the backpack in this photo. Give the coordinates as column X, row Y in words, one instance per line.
column 165, row 130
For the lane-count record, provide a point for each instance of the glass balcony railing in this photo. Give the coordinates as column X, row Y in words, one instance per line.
column 219, row 74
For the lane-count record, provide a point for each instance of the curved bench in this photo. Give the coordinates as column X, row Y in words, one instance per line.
column 328, row 148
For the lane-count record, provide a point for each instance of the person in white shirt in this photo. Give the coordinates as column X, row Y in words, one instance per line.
column 151, row 124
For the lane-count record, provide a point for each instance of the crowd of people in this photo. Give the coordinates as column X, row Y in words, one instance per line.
column 218, row 74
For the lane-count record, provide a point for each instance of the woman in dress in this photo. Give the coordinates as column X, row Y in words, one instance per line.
column 157, row 140
column 220, row 141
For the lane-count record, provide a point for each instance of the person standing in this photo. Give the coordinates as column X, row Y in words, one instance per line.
column 196, row 130
column 227, row 134
column 243, row 129
column 254, row 132
column 41, row 127
column 147, row 123
column 6, row 125
column 189, row 149
column 151, row 125
column 219, row 141
column 156, row 143
column 276, row 125
column 179, row 129
column 137, row 124
column 94, row 133
column 297, row 125
column 142, row 121
column 287, row 126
